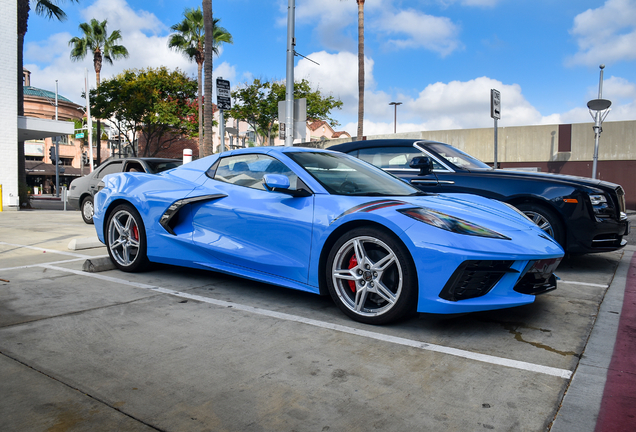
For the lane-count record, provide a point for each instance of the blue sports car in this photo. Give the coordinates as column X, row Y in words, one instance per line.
column 328, row 223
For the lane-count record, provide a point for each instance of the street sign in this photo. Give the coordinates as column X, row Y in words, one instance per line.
column 223, row 97
column 79, row 135
column 495, row 104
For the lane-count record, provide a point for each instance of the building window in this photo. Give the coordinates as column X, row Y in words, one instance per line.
column 66, row 161
column 34, row 158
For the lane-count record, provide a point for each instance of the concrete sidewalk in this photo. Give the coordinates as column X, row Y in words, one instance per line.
column 602, row 394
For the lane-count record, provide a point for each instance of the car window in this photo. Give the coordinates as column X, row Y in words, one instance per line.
column 458, row 157
column 113, row 167
column 345, row 175
column 248, row 170
column 134, row 167
column 392, row 157
column 157, row 167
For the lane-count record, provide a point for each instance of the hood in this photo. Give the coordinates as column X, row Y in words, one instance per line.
column 563, row 178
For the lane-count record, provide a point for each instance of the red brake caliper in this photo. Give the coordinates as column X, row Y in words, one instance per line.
column 135, row 232
column 352, row 263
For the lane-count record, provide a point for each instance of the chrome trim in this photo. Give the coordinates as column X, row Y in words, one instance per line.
column 174, row 208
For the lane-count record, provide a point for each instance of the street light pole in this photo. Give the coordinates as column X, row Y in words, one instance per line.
column 395, row 105
column 601, row 108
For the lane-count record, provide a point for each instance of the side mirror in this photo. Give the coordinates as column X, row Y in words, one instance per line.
column 423, row 163
column 275, row 181
column 280, row 183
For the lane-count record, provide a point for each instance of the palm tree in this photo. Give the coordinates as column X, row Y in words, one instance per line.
column 360, row 67
column 208, row 114
column 49, row 9
column 103, row 47
column 97, row 40
column 190, row 39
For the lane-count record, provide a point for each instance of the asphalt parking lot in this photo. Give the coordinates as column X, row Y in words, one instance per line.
column 175, row 349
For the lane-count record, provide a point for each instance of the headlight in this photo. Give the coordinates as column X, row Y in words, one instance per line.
column 598, row 199
column 450, row 223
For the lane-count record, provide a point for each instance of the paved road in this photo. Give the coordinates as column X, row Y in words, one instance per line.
column 175, row 349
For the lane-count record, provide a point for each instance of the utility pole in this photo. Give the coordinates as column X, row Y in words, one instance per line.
column 57, row 152
column 289, row 84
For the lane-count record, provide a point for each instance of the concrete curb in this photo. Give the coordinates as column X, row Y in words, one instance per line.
column 582, row 401
column 85, row 243
column 96, row 265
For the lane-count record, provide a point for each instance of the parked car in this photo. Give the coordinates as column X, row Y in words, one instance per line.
column 324, row 222
column 582, row 214
column 82, row 190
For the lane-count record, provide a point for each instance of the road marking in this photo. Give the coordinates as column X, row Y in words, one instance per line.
column 485, row 358
column 583, row 283
column 50, row 263
column 46, row 250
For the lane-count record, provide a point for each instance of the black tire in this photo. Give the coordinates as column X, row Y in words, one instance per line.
column 125, row 237
column 546, row 220
column 371, row 277
column 87, row 210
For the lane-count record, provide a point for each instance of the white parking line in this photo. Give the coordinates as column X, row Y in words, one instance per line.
column 583, row 283
column 525, row 366
column 53, row 251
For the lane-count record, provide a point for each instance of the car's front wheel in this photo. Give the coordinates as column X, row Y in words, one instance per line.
column 126, row 239
column 545, row 219
column 371, row 277
column 87, row 210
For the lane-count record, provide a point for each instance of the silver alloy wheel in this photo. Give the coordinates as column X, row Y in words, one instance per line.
column 123, row 238
column 367, row 276
column 541, row 221
column 88, row 209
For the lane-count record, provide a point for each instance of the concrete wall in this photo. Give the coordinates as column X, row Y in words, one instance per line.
column 9, row 105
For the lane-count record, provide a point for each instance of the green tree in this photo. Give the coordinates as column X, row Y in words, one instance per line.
column 190, row 39
column 157, row 103
column 257, row 105
column 48, row 9
column 103, row 46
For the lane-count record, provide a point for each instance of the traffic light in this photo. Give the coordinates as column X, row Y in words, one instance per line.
column 52, row 155
column 84, row 158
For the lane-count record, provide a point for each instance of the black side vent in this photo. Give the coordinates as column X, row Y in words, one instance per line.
column 474, row 279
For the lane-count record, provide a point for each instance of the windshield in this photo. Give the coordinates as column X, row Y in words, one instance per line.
column 345, row 175
column 457, row 157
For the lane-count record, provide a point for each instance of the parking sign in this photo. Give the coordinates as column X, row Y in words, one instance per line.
column 223, row 97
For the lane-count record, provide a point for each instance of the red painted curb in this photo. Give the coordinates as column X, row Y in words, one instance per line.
column 618, row 406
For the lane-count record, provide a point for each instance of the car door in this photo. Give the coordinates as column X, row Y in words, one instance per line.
column 107, row 168
column 251, row 227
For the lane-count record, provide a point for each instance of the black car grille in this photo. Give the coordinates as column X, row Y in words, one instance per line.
column 474, row 278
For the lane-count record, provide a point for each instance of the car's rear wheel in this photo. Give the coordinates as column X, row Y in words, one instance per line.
column 87, row 210
column 126, row 239
column 546, row 220
column 371, row 277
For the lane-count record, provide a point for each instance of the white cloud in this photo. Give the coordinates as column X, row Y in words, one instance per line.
column 145, row 37
column 336, row 74
column 605, row 34
column 414, row 29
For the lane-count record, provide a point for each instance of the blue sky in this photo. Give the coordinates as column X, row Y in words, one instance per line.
column 440, row 58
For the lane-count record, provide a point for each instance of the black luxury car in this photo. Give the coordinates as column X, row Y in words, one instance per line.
column 584, row 215
column 82, row 190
